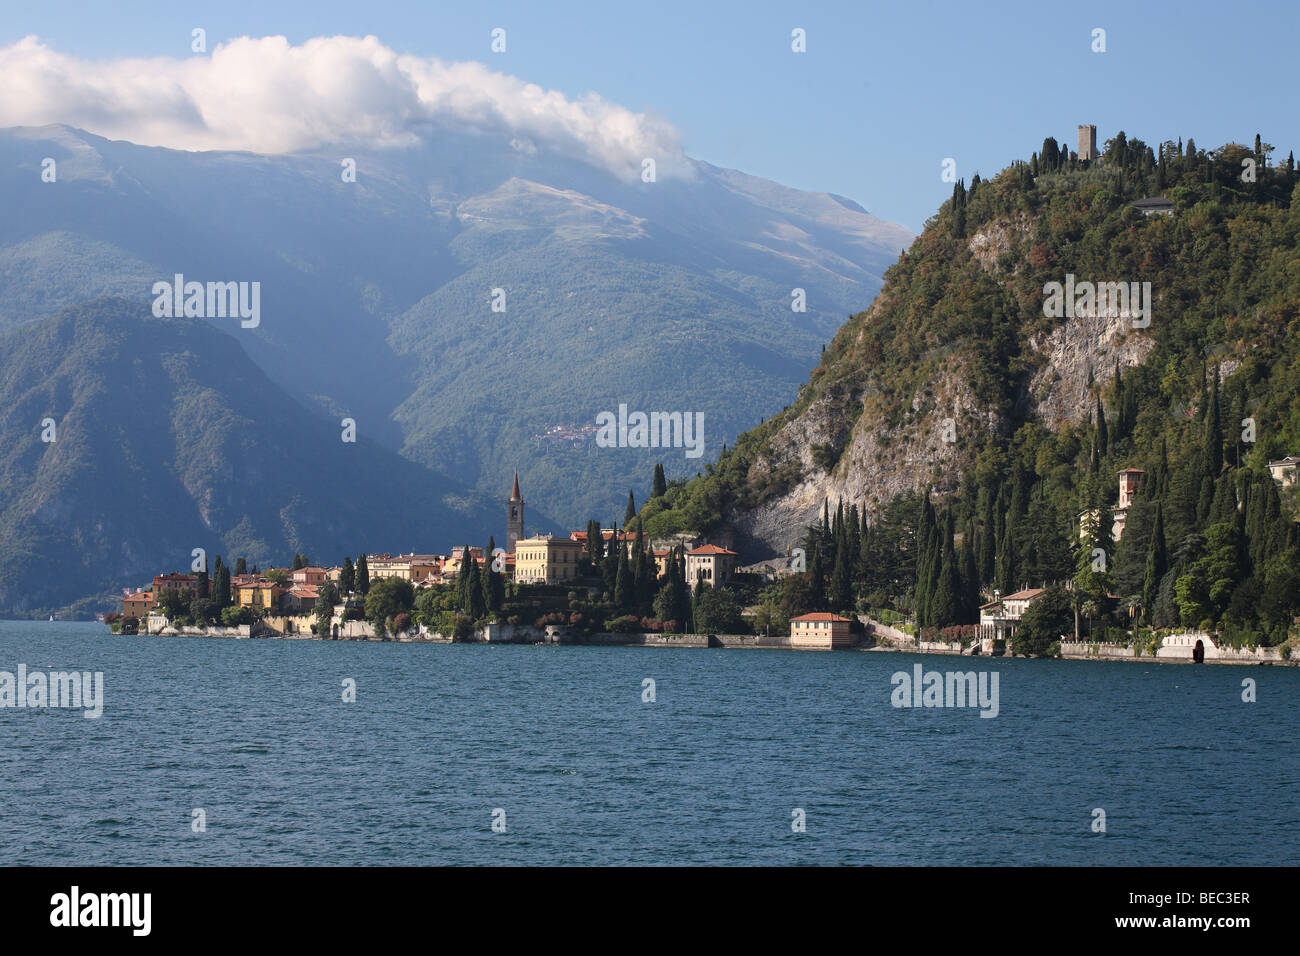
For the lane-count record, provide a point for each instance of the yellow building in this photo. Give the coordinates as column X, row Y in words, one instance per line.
column 820, row 631
column 546, row 560
column 256, row 592
column 410, row 567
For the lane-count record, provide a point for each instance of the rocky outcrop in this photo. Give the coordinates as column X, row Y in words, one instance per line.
column 1075, row 355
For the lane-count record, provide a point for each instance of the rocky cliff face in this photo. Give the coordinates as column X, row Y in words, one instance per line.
column 878, row 462
column 878, row 456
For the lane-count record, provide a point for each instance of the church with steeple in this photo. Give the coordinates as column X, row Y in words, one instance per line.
column 514, row 517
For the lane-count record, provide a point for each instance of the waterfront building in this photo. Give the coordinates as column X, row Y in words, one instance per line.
column 709, row 564
column 256, row 592
column 137, row 604
column 998, row 618
column 178, row 582
column 820, row 631
column 546, row 559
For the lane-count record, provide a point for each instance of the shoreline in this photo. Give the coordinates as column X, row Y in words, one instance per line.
column 563, row 637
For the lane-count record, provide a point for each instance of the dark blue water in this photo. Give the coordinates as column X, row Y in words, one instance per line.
column 256, row 734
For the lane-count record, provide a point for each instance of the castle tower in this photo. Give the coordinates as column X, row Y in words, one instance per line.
column 1087, row 142
column 514, row 517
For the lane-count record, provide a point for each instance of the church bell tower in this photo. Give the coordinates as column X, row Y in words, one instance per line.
column 514, row 517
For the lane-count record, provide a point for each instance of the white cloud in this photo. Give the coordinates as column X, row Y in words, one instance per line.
column 267, row 96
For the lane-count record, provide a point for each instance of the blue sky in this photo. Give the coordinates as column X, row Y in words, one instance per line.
column 883, row 94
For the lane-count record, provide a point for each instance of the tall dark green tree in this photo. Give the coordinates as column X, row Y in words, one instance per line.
column 624, row 584
column 609, row 566
column 945, row 601
column 220, row 583
column 1157, row 565
column 841, row 592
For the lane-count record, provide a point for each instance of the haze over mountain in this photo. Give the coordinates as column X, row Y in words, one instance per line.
column 166, row 438
column 376, row 295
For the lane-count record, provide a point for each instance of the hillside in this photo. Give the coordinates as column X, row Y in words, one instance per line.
column 956, row 380
column 376, row 294
column 168, row 438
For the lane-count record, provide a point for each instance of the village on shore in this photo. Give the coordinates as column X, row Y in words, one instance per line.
column 590, row 587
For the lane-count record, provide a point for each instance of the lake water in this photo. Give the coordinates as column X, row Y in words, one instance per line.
column 256, row 734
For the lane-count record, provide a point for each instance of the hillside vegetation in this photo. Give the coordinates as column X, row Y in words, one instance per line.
column 955, row 380
column 128, row 441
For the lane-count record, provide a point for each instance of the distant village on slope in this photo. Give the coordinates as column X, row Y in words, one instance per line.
column 614, row 583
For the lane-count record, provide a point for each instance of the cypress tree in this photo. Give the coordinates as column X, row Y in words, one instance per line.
column 683, row 588
column 969, row 581
column 816, row 579
column 220, row 583
column 595, row 544
column 649, row 578
column 624, row 584
column 988, row 540
column 929, row 555
column 959, row 208
column 348, row 576
column 463, row 584
column 363, row 574
column 1006, row 573
column 630, row 513
column 660, row 486
column 609, row 568
column 944, row 598
column 853, row 541
column 494, row 590
column 241, row 566
column 841, row 595
column 477, row 607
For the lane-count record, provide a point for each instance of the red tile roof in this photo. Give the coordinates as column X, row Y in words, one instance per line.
column 711, row 549
column 821, row 616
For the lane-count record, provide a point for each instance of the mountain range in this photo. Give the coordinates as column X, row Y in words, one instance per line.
column 377, row 304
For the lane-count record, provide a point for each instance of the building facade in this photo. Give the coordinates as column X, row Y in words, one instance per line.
column 820, row 631
column 709, row 565
column 546, row 560
column 1284, row 471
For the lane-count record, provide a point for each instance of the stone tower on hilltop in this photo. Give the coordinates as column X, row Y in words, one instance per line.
column 1087, row 142
column 514, row 517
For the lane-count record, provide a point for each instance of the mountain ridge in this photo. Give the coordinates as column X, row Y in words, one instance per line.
column 363, row 282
